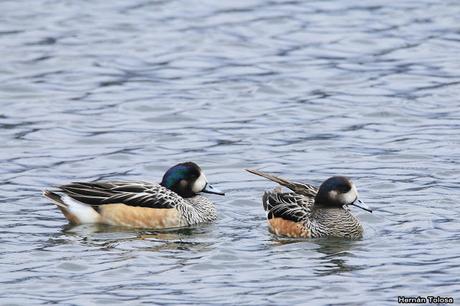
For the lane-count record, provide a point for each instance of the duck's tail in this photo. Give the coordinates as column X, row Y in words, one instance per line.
column 76, row 212
column 273, row 178
column 299, row 188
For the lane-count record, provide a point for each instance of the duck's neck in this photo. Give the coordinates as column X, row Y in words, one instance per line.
column 335, row 222
column 200, row 210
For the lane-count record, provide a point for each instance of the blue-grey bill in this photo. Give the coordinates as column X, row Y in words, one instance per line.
column 210, row 189
column 362, row 205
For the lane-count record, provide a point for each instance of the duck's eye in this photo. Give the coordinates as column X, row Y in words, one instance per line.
column 344, row 188
column 190, row 179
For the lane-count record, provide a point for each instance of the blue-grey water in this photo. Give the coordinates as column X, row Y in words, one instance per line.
column 305, row 89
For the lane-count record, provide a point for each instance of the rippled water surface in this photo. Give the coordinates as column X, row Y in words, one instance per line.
column 305, row 89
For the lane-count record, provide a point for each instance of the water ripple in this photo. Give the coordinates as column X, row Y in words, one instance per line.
column 105, row 90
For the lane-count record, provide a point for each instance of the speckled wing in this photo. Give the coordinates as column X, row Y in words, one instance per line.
column 288, row 206
column 138, row 194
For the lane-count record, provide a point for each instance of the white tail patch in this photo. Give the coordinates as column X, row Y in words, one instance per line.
column 83, row 212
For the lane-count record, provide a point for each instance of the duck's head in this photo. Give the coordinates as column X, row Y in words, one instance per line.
column 187, row 180
column 339, row 192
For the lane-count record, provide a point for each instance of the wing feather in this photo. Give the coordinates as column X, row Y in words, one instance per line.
column 140, row 194
column 300, row 188
column 289, row 206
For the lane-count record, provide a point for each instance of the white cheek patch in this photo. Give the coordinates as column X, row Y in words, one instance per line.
column 350, row 196
column 199, row 184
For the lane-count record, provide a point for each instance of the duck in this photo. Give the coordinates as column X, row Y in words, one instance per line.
column 175, row 202
column 312, row 212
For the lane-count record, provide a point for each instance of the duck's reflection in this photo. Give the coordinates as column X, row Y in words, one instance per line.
column 335, row 254
column 111, row 237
